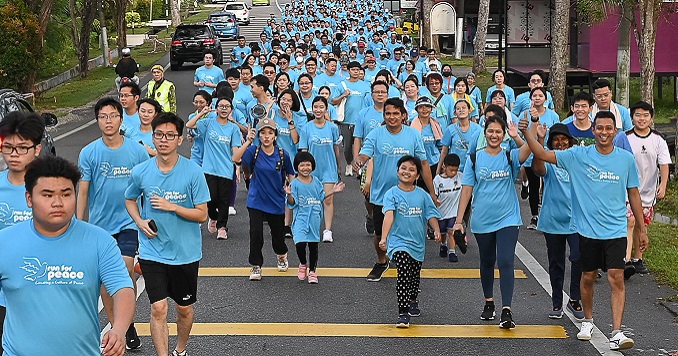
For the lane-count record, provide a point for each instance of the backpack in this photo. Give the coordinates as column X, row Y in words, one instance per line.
column 279, row 166
column 472, row 157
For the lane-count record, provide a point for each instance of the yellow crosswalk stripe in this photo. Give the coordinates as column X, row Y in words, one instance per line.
column 367, row 330
column 346, row 272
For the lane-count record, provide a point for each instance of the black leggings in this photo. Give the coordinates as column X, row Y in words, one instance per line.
column 220, row 195
column 407, row 284
column 534, row 183
column 276, row 223
column 3, row 310
column 312, row 254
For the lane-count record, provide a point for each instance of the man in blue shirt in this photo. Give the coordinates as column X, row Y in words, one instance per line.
column 602, row 94
column 175, row 197
column 239, row 52
column 129, row 96
column 208, row 76
column 602, row 176
column 106, row 165
column 65, row 262
column 397, row 60
column 241, row 95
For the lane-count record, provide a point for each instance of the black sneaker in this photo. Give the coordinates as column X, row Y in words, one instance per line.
column 369, row 224
column 414, row 309
column 377, row 272
column 452, row 257
column 640, row 267
column 403, row 321
column 524, row 192
column 629, row 270
column 443, row 251
column 506, row 320
column 488, row 311
column 132, row 341
column 533, row 223
column 461, row 240
column 288, row 232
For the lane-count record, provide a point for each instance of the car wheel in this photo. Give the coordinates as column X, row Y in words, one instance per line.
column 175, row 66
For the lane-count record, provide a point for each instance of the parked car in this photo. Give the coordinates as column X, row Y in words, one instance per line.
column 224, row 24
column 191, row 41
column 241, row 11
column 11, row 101
column 261, row 2
column 221, row 1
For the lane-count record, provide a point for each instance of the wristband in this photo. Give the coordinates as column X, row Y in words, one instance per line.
column 534, row 118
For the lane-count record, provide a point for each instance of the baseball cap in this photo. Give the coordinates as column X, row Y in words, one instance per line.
column 158, row 67
column 383, row 51
column 361, row 44
column 414, row 53
column 266, row 122
column 370, row 60
column 324, row 51
column 423, row 101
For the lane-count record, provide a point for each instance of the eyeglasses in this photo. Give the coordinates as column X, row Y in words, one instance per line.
column 224, row 107
column 603, row 95
column 126, row 95
column 380, row 92
column 108, row 117
column 170, row 136
column 269, row 72
column 20, row 150
column 535, row 81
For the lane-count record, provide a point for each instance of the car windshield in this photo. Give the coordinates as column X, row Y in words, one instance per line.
column 192, row 32
column 221, row 18
column 235, row 7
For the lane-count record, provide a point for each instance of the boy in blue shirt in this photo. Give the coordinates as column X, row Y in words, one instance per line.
column 602, row 175
column 407, row 211
column 106, row 165
column 448, row 190
column 175, row 197
column 65, row 262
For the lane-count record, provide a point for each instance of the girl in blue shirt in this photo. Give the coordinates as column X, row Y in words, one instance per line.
column 499, row 77
column 202, row 101
column 489, row 177
column 143, row 134
column 407, row 211
column 305, row 196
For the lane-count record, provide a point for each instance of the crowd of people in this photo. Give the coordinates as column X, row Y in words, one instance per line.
column 328, row 90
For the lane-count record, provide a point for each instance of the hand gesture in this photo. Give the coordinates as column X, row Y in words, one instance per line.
column 512, row 128
column 288, row 189
column 339, row 187
column 201, row 83
column 533, row 111
column 206, row 110
column 438, row 237
column 346, row 93
column 524, row 124
column 113, row 344
column 160, row 203
column 251, row 135
column 542, row 130
column 356, row 165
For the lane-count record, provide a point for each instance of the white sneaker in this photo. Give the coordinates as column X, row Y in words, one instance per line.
column 327, row 236
column 255, row 274
column 283, row 265
column 211, row 226
column 222, row 234
column 231, row 210
column 349, row 171
column 621, row 342
column 585, row 332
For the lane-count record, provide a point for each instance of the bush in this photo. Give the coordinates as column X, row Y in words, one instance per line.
column 21, row 47
column 132, row 18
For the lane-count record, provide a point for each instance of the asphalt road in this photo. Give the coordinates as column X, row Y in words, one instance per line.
column 309, row 315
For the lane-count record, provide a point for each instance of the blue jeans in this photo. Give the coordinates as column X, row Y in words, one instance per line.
column 555, row 246
column 498, row 247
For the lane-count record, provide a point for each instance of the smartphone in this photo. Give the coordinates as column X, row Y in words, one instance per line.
column 153, row 226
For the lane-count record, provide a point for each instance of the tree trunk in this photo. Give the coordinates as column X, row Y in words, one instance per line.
column 646, row 34
column 624, row 54
column 43, row 9
column 120, row 21
column 89, row 11
column 425, row 29
column 176, row 17
column 481, row 37
column 559, row 53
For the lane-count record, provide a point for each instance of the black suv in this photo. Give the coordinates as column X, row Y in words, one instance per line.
column 11, row 101
column 190, row 42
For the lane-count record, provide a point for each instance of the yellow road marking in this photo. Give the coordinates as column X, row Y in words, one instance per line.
column 346, row 272
column 367, row 330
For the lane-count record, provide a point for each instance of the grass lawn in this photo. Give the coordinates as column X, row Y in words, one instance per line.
column 467, row 61
column 662, row 254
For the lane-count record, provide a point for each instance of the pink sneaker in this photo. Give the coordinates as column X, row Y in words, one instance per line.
column 312, row 278
column 302, row 272
column 212, row 226
column 222, row 234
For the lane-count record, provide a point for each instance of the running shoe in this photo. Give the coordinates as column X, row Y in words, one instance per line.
column 452, row 257
column 327, row 236
column 349, row 171
column 443, row 251
column 620, row 342
column 629, row 270
column 403, row 321
column 177, row 353
column 222, row 234
column 132, row 341
column 377, row 272
column 312, row 278
column 556, row 313
column 584, row 333
column 525, row 191
column 231, row 211
column 369, row 224
column 640, row 266
column 283, row 265
column 255, row 273
column 414, row 309
column 301, row 273
column 212, row 226
column 574, row 306
column 288, row 232
column 533, row 223
column 488, row 311
column 461, row 240
column 506, row 319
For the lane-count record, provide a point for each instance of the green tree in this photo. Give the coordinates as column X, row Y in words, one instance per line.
column 21, row 45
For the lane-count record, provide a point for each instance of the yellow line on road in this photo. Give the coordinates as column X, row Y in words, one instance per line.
column 367, row 330
column 346, row 272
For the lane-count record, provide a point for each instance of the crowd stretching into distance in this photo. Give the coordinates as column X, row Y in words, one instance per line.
column 327, row 90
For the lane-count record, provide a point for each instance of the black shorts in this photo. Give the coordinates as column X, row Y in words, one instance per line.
column 378, row 218
column 601, row 254
column 179, row 282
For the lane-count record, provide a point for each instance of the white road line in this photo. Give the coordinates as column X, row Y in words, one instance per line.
column 141, row 287
column 598, row 338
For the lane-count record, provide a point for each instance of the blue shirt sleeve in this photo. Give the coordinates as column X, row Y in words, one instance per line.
column 469, row 177
column 113, row 273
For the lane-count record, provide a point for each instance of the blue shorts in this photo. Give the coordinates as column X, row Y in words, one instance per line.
column 446, row 224
column 128, row 242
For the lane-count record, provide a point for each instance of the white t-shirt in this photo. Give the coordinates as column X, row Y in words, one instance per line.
column 649, row 152
column 448, row 191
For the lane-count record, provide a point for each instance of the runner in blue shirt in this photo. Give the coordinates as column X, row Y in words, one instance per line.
column 106, row 164
column 458, row 137
column 65, row 262
column 208, row 76
column 241, row 96
column 443, row 104
column 175, row 196
column 203, row 110
column 143, row 134
column 129, row 96
column 239, row 52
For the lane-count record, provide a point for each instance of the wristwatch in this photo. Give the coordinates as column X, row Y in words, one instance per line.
column 290, row 123
column 534, row 118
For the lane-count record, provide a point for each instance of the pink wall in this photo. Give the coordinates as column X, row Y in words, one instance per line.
column 602, row 38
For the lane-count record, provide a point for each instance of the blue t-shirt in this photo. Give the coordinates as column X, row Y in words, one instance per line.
column 523, row 103
column 52, row 286
column 130, row 121
column 444, row 110
column 219, row 140
column 387, row 148
column 355, row 101
column 476, row 96
column 179, row 240
column 107, row 171
column 460, row 142
column 135, row 134
column 13, row 206
column 198, row 144
column 209, row 75
column 587, row 138
column 599, row 186
column 495, row 201
column 307, row 209
column 236, row 53
column 242, row 97
column 510, row 94
column 333, row 82
column 549, row 118
column 556, row 210
column 368, row 119
column 266, row 185
column 320, row 142
column 431, row 145
column 411, row 212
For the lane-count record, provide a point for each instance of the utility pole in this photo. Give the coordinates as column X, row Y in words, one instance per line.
column 104, row 34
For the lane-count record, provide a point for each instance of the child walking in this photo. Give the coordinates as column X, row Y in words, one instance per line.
column 448, row 190
column 305, row 197
column 407, row 210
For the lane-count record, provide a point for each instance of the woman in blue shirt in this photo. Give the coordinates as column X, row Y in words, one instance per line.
column 499, row 77
column 148, row 109
column 410, row 96
column 495, row 221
